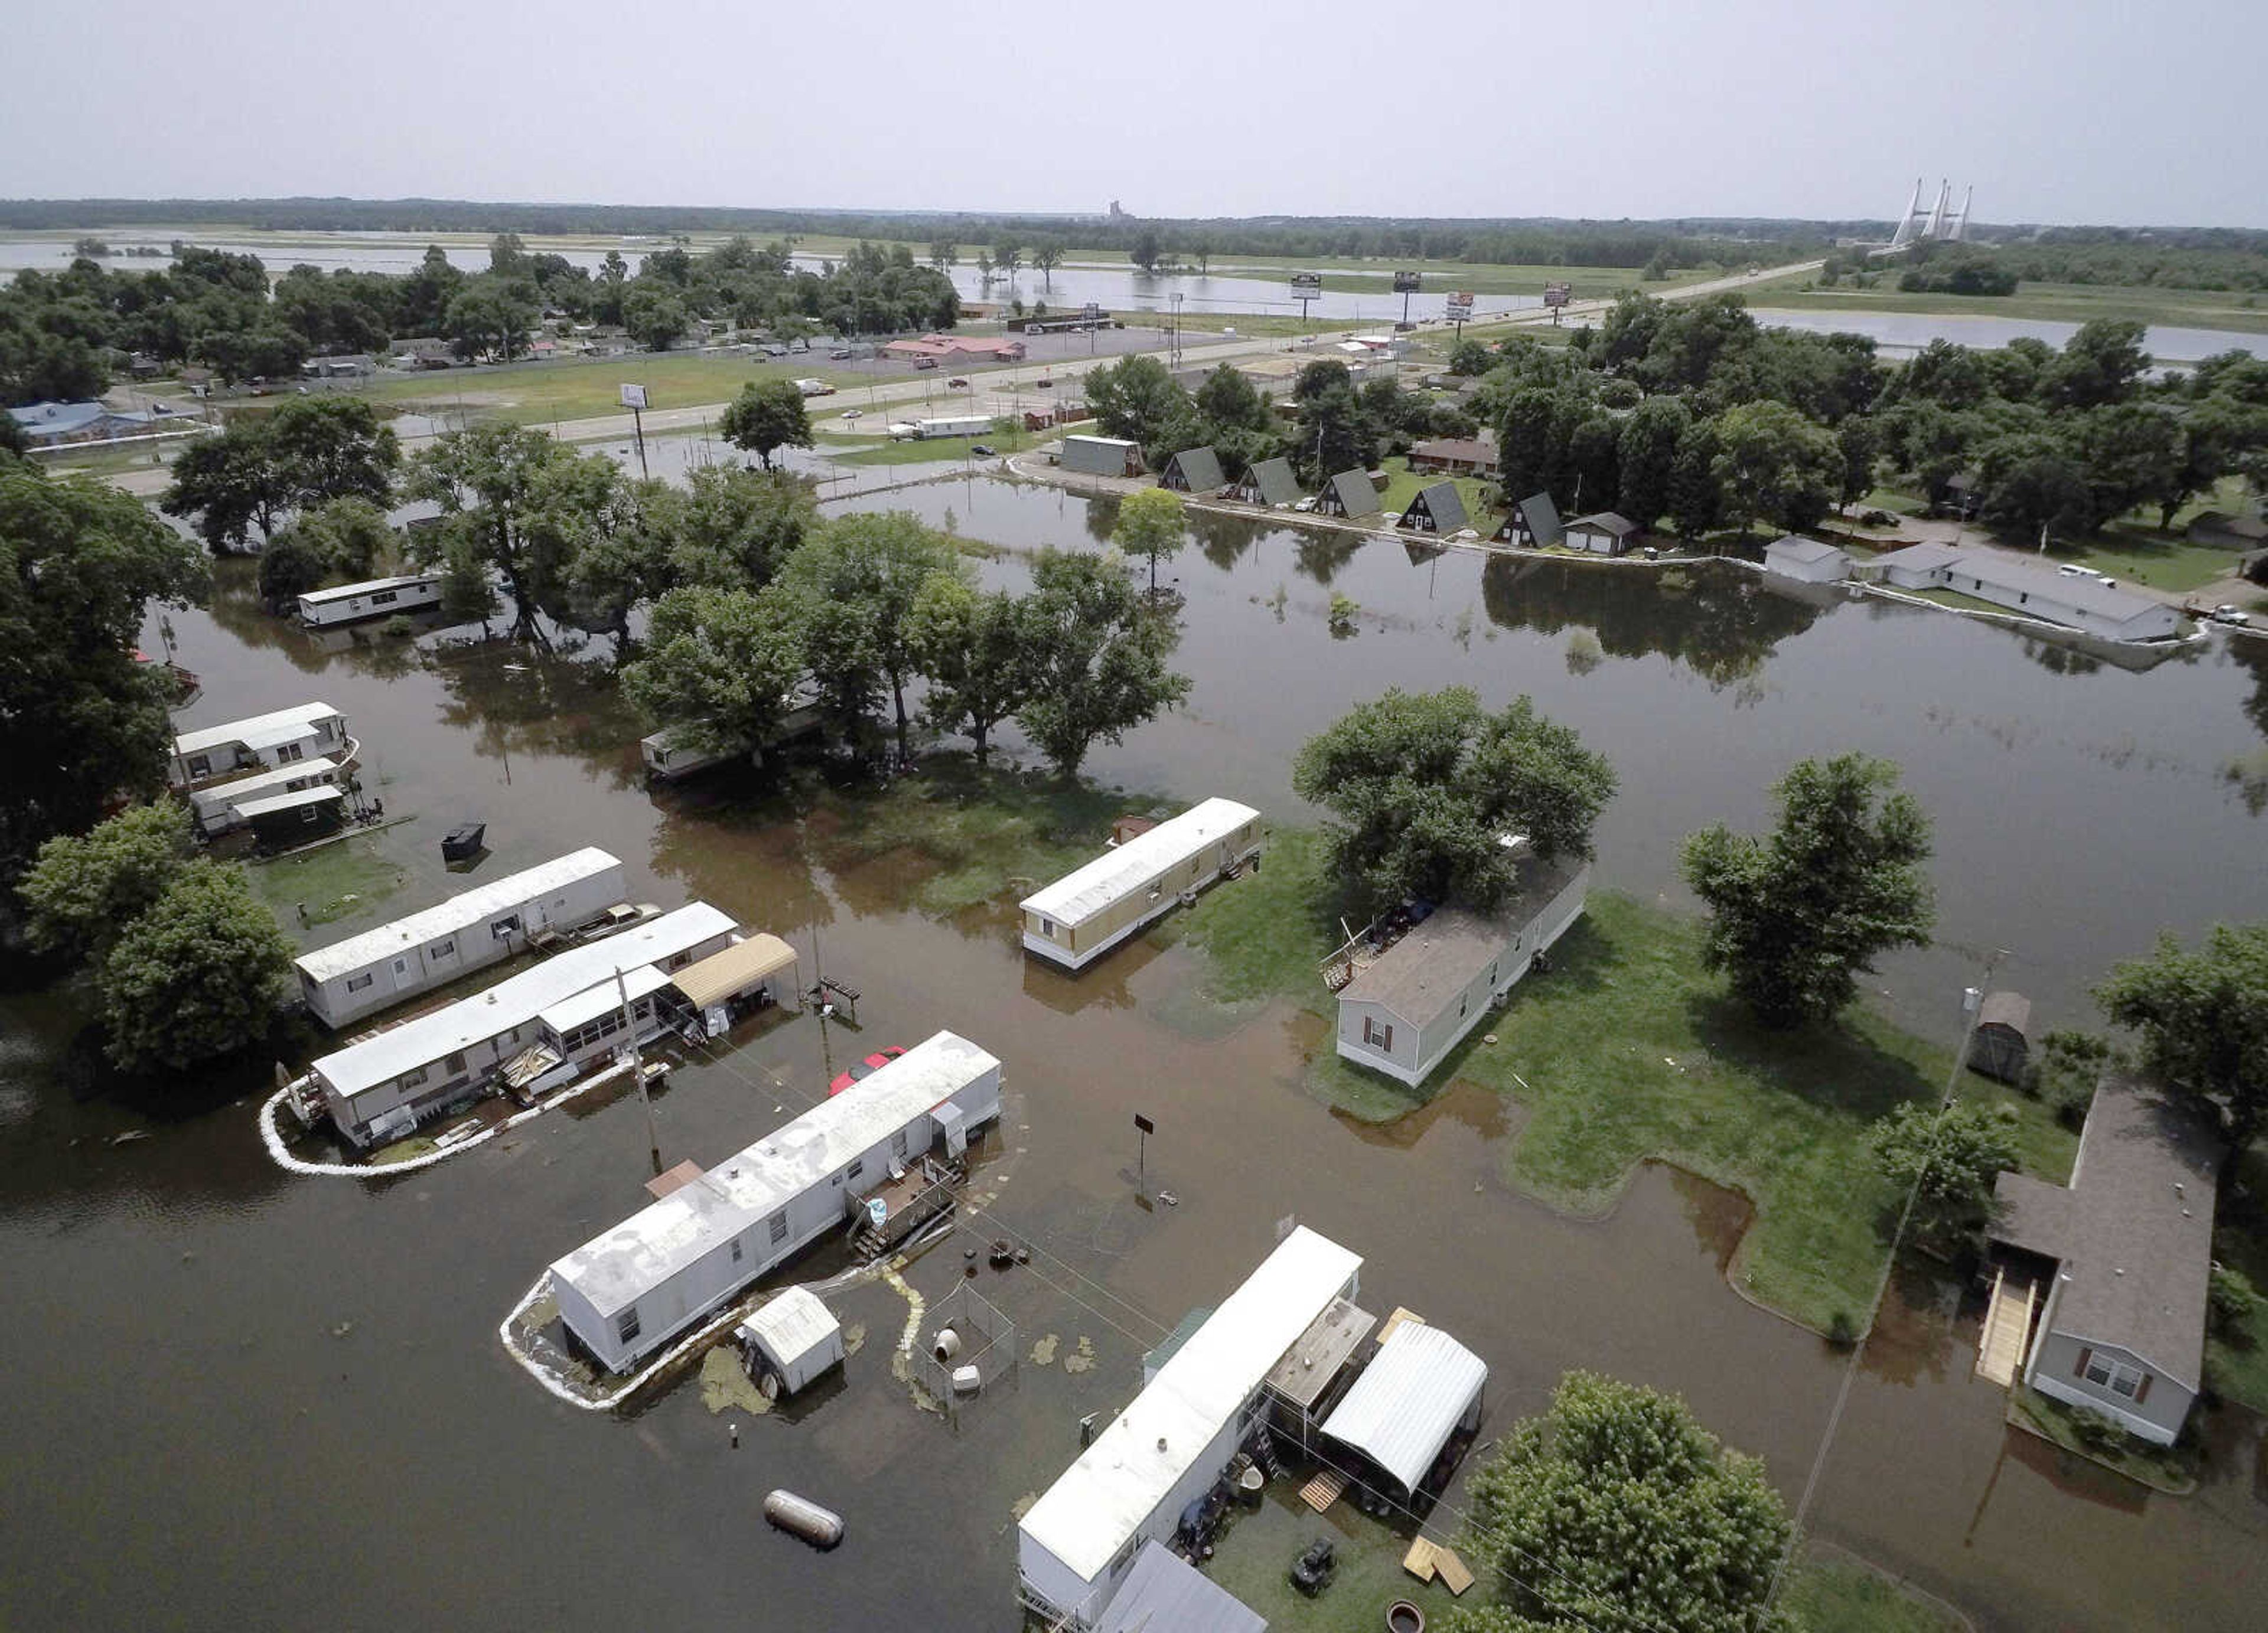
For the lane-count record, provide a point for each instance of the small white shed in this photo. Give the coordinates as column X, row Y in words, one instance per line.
column 795, row 1336
column 1807, row 561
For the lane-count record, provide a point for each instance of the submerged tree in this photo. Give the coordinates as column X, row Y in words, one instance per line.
column 718, row 667
column 1150, row 525
column 489, row 477
column 84, row 889
column 1099, row 658
column 853, row 583
column 1796, row 917
column 976, row 653
column 767, row 416
column 200, row 974
column 2202, row 1016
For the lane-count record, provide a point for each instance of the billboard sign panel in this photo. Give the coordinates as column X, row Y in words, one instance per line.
column 633, row 396
column 1093, row 311
column 1460, row 305
column 1558, row 294
column 1307, row 283
column 1405, row 283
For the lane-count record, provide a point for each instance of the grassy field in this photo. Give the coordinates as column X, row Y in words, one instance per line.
column 347, row 877
column 863, row 448
column 2067, row 303
column 1628, row 1051
column 1832, row 1592
column 1403, row 484
column 539, row 393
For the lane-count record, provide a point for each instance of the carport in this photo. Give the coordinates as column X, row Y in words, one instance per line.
column 1419, row 1391
column 746, row 973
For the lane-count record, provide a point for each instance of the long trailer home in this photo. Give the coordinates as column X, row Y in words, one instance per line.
column 630, row 1290
column 545, row 1023
column 286, row 736
column 221, row 807
column 374, row 597
column 1085, row 913
column 470, row 931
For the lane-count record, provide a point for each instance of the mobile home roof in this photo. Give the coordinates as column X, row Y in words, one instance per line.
column 615, row 1268
column 459, row 912
column 322, row 793
column 1119, row 873
column 282, row 725
column 348, row 592
column 1118, row 1482
column 234, row 792
column 514, row 1002
column 594, row 1001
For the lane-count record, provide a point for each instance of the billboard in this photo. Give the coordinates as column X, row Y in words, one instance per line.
column 1558, row 294
column 633, row 396
column 1093, row 311
column 1405, row 283
column 1460, row 306
column 1307, row 283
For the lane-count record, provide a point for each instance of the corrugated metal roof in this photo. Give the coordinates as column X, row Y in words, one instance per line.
column 270, row 804
column 1133, row 1466
column 1165, row 1593
column 735, row 970
column 461, row 911
column 1409, row 1402
column 791, row 1326
column 282, row 726
column 1122, row 871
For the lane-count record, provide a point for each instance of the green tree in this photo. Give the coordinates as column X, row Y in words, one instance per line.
column 1697, row 494
column 1616, row 1512
column 84, row 890
column 1047, row 255
column 350, row 538
column 79, row 566
column 1335, row 433
column 654, row 316
column 1099, row 659
column 1648, row 458
column 1859, row 440
column 230, row 484
column 975, row 650
column 1772, row 462
column 718, row 666
column 200, row 974
column 1137, row 399
column 1423, row 787
column 2201, row 1014
column 468, row 593
column 1146, row 249
column 2104, row 361
column 1470, row 359
column 1150, row 525
column 289, row 566
column 492, row 477
column 1796, row 917
column 854, row 581
column 490, row 314
column 766, row 416
column 332, row 447
column 732, row 528
column 1950, row 1158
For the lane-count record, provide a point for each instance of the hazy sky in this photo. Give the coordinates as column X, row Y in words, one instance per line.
column 2058, row 110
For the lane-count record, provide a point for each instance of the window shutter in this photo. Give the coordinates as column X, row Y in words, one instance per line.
column 1387, row 1042
column 2084, row 1356
column 2142, row 1390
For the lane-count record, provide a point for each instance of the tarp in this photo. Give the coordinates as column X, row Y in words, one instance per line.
column 1408, row 1402
column 737, row 967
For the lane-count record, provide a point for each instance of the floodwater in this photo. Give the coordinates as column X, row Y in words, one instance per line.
column 245, row 1399
column 1899, row 334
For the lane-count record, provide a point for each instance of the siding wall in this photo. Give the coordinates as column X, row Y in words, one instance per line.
column 1075, row 942
column 2055, row 1372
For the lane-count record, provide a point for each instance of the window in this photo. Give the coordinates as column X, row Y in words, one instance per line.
column 356, row 983
column 456, row 1062
column 309, row 814
column 776, row 1225
column 384, row 598
column 413, row 1079
column 200, row 766
column 444, row 948
column 1048, row 928
column 857, row 1168
column 291, row 751
column 737, row 1252
column 2115, row 1376
column 504, row 927
column 1377, row 1033
column 626, row 1324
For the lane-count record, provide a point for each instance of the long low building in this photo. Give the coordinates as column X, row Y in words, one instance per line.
column 629, row 1291
column 220, row 807
column 568, row 1010
column 1076, row 1547
column 2077, row 601
column 1085, row 913
column 262, row 742
column 470, row 931
column 374, row 597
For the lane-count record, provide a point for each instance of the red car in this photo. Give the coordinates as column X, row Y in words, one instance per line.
column 866, row 1067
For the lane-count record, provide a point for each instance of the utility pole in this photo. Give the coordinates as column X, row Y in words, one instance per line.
column 637, row 1068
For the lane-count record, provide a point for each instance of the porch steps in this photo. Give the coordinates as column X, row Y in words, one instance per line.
column 2008, row 1325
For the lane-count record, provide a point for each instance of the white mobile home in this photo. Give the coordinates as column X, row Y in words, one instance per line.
column 2082, row 603
column 470, row 931
column 954, row 425
column 672, row 752
column 384, row 1086
column 219, row 806
column 307, row 732
column 374, row 597
column 1085, row 913
column 1075, row 1546
column 628, row 1293
column 1407, row 1010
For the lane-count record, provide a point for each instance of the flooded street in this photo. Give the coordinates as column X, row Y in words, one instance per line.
column 243, row 1399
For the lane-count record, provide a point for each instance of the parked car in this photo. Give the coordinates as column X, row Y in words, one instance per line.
column 2228, row 613
column 866, row 1067
column 984, row 451
column 2072, row 569
column 776, row 350
column 1044, row 384
column 956, row 383
column 854, row 413
column 841, row 354
column 924, row 363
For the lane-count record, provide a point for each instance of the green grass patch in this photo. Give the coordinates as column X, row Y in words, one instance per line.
column 2160, row 560
column 2236, row 1358
column 2172, row 1469
column 1833, row 1592
column 344, row 879
column 1254, row 1562
column 533, row 394
column 924, row 450
column 1403, row 485
column 1628, row 1051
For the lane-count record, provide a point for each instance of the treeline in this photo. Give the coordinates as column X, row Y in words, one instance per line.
column 63, row 335
column 1697, row 414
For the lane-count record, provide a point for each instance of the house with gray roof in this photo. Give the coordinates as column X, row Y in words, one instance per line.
column 1269, row 482
column 1603, row 532
column 1403, row 1012
column 1193, row 470
column 1351, row 494
column 2125, row 1253
column 2083, row 602
column 52, row 424
column 1917, row 566
column 1534, row 522
column 1438, row 508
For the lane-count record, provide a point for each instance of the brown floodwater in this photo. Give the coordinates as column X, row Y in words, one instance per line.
column 240, row 1398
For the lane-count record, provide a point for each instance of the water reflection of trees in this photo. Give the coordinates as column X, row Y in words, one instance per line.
column 236, row 610
column 1721, row 622
column 2251, row 655
column 513, row 699
column 1101, row 518
column 742, row 847
column 1321, row 553
column 1222, row 539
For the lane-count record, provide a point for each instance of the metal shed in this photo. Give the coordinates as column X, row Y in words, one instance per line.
column 794, row 1334
column 1101, row 456
column 1165, row 1593
column 1350, row 494
column 2002, row 1045
column 1438, row 508
column 1269, row 482
column 1420, row 1389
column 1193, row 470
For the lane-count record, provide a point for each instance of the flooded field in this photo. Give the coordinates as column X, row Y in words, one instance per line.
column 245, row 1399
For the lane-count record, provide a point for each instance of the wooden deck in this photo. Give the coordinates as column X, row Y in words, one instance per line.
column 2007, row 1327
